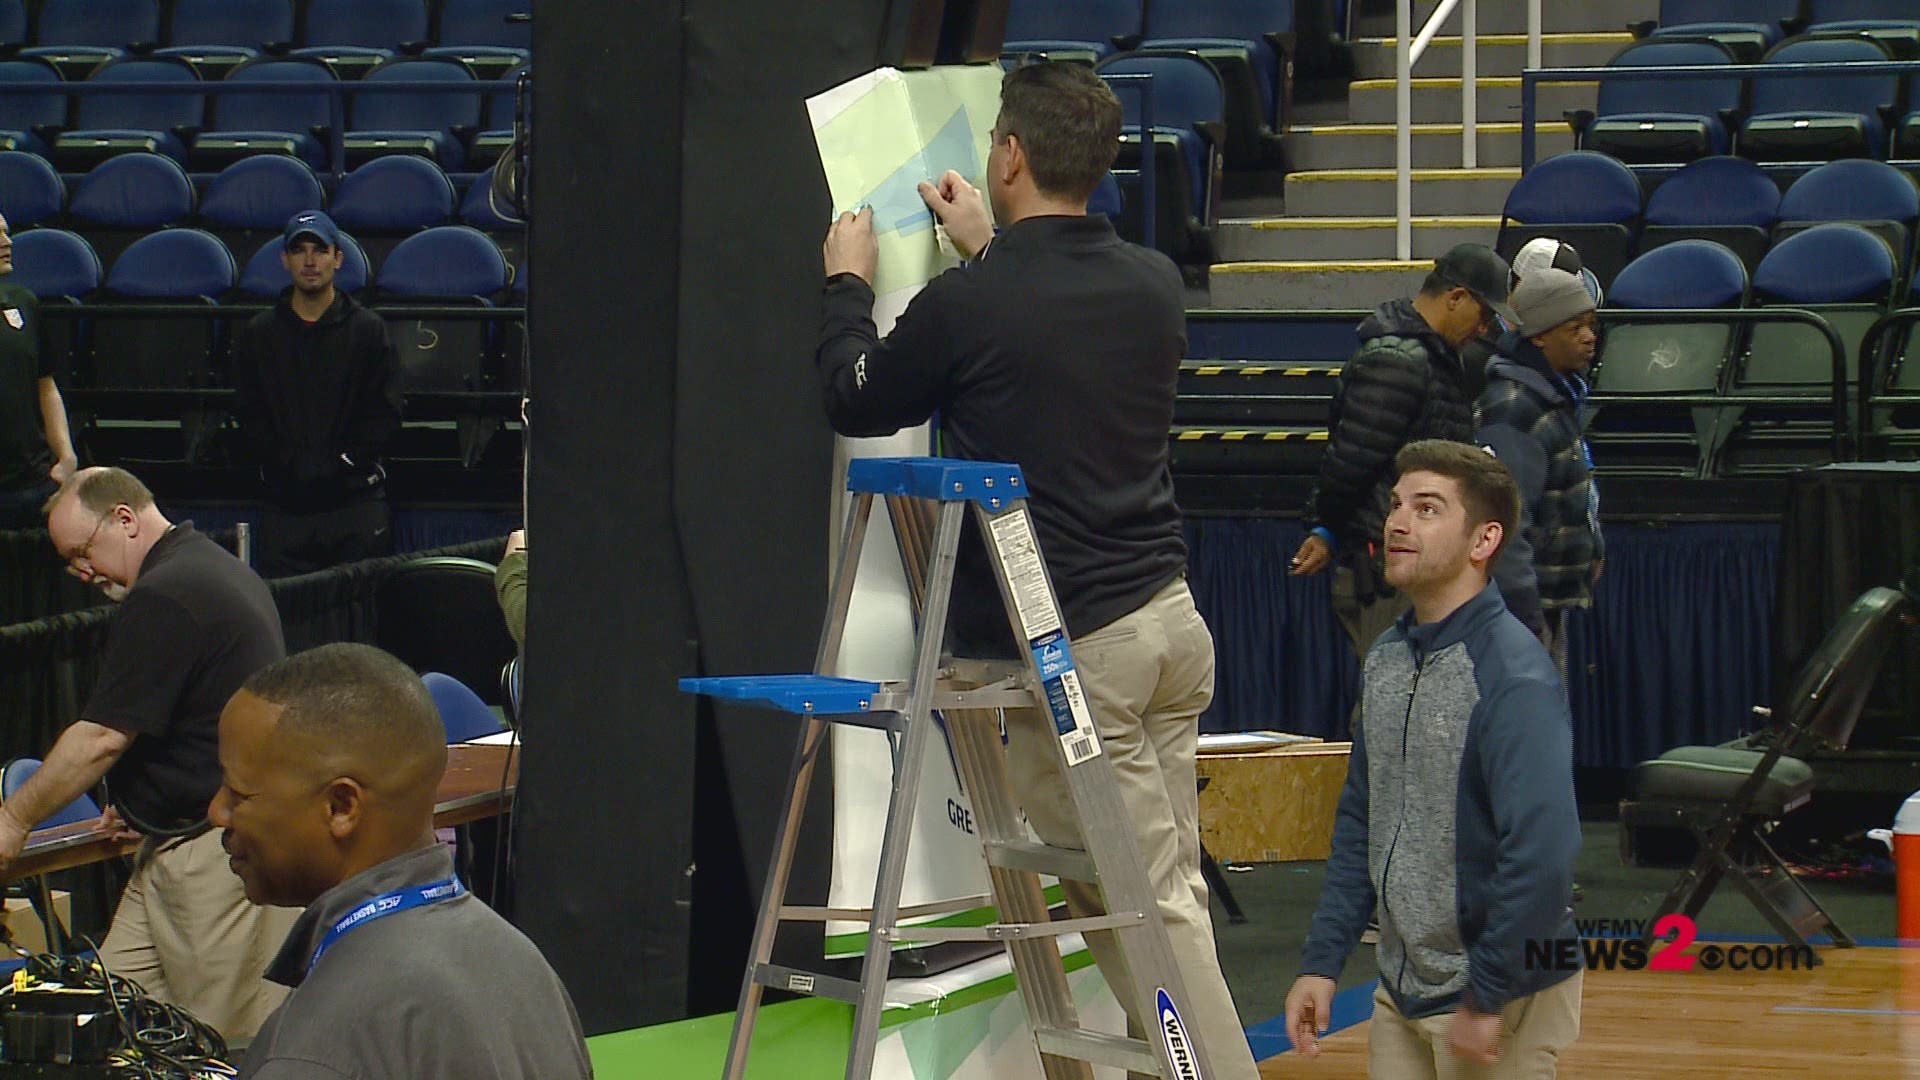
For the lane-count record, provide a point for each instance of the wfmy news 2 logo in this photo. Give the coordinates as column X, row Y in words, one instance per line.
column 1625, row 945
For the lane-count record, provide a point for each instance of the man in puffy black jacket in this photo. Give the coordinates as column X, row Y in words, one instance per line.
column 1405, row 384
column 318, row 384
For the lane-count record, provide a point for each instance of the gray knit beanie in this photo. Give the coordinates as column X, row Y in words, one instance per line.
column 1548, row 297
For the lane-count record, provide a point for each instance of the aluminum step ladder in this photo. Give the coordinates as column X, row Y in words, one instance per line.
column 968, row 695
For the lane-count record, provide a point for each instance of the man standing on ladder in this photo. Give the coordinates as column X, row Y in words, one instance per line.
column 1057, row 346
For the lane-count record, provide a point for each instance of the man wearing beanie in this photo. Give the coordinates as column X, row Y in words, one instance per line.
column 1531, row 417
column 1405, row 384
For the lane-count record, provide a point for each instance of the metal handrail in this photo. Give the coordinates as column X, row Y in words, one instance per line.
column 1142, row 84
column 337, row 93
column 1531, row 78
column 1871, row 392
column 1408, row 51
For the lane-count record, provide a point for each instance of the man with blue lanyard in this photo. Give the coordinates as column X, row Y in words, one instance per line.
column 1532, row 417
column 330, row 763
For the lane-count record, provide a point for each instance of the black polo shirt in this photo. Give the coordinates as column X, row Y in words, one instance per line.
column 196, row 624
column 24, row 458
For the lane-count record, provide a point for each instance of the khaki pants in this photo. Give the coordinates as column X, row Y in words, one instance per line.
column 1148, row 675
column 1364, row 623
column 1534, row 1029
column 188, row 935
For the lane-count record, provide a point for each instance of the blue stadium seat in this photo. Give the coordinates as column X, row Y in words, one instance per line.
column 1644, row 362
column 291, row 123
column 477, row 33
column 1893, row 23
column 1729, row 200
column 54, row 263
column 127, row 197
column 260, row 193
column 1106, row 198
column 26, row 112
column 426, row 125
column 147, row 352
column 1650, row 121
column 1820, row 118
column 1082, row 30
column 13, row 22
column 353, row 36
column 1748, row 28
column 390, row 198
column 30, row 191
column 1587, row 199
column 79, row 35
column 107, row 125
column 1243, row 39
column 1871, row 194
column 462, row 713
column 449, row 264
column 215, row 36
column 266, row 275
column 1189, row 107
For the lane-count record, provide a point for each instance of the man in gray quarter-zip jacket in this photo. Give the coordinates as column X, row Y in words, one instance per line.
column 1458, row 813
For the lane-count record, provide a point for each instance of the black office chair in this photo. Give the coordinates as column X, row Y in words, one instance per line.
column 441, row 614
column 1729, row 796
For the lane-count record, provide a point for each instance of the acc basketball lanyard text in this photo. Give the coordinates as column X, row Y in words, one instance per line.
column 386, row 904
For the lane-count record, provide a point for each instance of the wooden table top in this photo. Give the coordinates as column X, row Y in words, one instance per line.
column 479, row 783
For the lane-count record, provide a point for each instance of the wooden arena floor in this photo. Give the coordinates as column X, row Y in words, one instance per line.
column 1857, row 1015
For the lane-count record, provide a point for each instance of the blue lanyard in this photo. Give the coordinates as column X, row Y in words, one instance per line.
column 386, row 904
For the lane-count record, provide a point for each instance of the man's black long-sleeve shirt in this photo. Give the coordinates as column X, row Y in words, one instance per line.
column 319, row 402
column 1058, row 349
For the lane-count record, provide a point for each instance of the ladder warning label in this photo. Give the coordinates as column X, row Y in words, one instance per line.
column 1066, row 700
column 1012, row 534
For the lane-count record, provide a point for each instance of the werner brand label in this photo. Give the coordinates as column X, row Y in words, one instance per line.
column 1173, row 1035
column 1066, row 699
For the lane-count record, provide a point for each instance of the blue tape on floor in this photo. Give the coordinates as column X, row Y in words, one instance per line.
column 1351, row 1006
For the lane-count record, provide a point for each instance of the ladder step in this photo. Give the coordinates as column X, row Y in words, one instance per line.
column 1098, row 1048
column 939, row 479
column 1016, row 931
column 1068, row 863
column 793, row 980
column 809, row 913
column 805, row 694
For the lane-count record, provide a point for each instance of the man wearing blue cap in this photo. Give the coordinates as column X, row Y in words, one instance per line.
column 318, row 384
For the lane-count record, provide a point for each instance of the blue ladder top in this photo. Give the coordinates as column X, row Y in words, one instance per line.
column 991, row 484
column 825, row 695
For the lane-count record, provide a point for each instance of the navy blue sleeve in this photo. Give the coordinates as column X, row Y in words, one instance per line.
column 1513, row 570
column 1525, row 756
column 1346, row 897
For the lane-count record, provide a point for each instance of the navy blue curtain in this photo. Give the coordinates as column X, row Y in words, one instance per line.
column 1674, row 652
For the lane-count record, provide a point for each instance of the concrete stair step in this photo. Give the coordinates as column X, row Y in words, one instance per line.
column 1510, row 16
column 1343, row 239
column 1435, row 146
column 1437, row 100
column 1370, row 192
column 1361, row 283
column 1498, row 54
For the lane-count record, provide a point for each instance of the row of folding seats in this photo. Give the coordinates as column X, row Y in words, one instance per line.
column 466, row 128
column 114, row 345
column 1779, row 375
column 1750, row 27
column 1595, row 203
column 1248, row 41
column 349, row 35
column 1771, row 119
column 245, row 205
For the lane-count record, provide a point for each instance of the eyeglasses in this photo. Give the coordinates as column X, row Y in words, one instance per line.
column 85, row 552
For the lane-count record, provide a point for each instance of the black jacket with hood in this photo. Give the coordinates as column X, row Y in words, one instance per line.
column 319, row 402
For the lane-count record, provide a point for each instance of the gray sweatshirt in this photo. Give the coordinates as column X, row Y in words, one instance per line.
column 447, row 991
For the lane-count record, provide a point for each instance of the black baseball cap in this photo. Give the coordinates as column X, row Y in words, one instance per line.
column 1479, row 270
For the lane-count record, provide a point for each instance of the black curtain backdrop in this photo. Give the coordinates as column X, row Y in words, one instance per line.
column 1674, row 651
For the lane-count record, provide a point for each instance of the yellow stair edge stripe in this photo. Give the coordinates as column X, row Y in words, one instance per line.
column 1504, row 127
column 1498, row 82
column 1243, row 435
column 1321, row 267
column 1255, row 369
column 1488, row 172
column 1452, row 41
column 1467, row 222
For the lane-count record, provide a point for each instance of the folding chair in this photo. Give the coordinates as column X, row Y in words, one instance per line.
column 12, row 778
